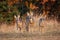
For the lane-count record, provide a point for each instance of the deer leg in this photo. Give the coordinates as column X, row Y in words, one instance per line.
column 19, row 28
column 27, row 26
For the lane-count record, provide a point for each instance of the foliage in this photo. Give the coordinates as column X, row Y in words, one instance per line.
column 10, row 8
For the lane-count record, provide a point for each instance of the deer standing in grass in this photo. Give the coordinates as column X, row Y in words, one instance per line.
column 42, row 18
column 18, row 22
column 29, row 20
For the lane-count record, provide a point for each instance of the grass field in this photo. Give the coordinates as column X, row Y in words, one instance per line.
column 30, row 36
column 50, row 30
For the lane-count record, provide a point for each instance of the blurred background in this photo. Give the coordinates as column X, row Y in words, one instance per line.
column 9, row 8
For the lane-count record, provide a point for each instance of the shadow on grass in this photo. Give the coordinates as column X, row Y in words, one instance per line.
column 23, row 35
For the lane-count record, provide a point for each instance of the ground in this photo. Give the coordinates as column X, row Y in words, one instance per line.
column 30, row 36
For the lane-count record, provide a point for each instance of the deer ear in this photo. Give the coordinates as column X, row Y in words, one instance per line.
column 14, row 16
column 27, row 13
column 18, row 16
column 31, row 13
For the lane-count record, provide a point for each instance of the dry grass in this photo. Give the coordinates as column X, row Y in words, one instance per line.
column 46, row 26
column 50, row 30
